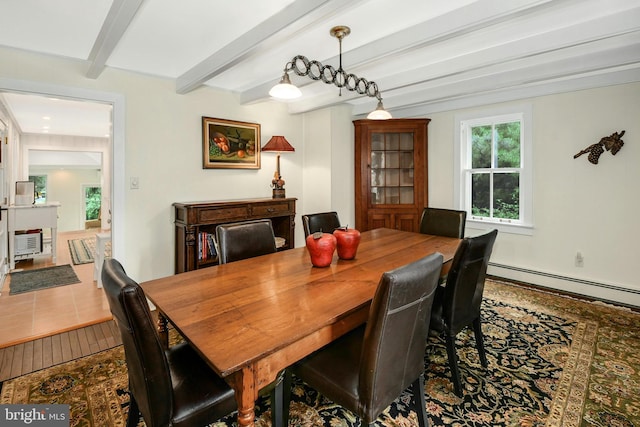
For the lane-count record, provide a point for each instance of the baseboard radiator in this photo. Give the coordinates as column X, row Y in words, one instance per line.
column 598, row 290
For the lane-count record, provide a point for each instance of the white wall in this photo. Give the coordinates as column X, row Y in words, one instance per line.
column 578, row 206
column 66, row 186
column 328, row 163
column 70, row 215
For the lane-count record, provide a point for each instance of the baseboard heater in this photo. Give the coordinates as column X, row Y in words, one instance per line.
column 597, row 288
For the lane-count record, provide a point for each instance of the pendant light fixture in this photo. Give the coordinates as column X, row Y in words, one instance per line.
column 302, row 66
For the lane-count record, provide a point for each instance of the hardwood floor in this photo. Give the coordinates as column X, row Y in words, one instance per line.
column 47, row 312
column 41, row 353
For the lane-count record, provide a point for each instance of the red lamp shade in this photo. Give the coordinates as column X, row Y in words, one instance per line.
column 278, row 143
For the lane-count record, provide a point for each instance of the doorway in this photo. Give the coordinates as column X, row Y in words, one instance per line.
column 113, row 193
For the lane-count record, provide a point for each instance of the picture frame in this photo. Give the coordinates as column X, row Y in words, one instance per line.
column 230, row 144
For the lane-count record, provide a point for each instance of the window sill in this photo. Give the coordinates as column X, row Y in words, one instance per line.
column 502, row 227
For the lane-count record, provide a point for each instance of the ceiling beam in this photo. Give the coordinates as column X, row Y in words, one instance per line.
column 118, row 19
column 456, row 23
column 254, row 40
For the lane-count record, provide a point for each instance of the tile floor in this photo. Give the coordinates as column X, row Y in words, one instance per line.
column 31, row 315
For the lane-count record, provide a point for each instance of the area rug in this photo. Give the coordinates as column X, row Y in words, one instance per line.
column 553, row 361
column 82, row 251
column 42, row 278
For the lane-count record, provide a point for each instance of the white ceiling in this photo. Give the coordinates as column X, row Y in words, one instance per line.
column 425, row 55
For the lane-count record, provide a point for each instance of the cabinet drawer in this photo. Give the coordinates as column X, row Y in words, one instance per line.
column 270, row 209
column 223, row 213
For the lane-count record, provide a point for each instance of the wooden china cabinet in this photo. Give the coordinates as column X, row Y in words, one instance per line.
column 391, row 173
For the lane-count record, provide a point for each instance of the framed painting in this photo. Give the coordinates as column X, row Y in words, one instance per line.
column 230, row 144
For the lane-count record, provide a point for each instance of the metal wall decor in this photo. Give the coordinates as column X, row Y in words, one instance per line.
column 611, row 143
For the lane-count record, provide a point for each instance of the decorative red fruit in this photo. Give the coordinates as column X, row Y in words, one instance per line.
column 321, row 247
column 348, row 240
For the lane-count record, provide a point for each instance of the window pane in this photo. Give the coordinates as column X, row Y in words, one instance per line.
column 506, row 195
column 393, row 142
column 508, row 142
column 406, row 195
column 481, row 147
column 40, row 187
column 392, row 195
column 377, row 177
column 93, row 201
column 377, row 195
column 377, row 159
column 406, row 177
column 480, row 194
column 406, row 160
column 392, row 160
column 392, row 177
column 406, row 141
column 377, row 141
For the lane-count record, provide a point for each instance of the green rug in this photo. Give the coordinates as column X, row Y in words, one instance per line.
column 82, row 251
column 42, row 278
column 553, row 361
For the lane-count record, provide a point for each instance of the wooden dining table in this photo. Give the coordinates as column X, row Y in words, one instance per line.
column 250, row 319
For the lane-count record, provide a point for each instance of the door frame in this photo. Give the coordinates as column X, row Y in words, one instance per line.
column 117, row 160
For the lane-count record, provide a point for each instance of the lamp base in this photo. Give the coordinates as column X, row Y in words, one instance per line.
column 278, row 193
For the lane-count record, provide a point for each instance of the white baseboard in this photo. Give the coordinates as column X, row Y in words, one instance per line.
column 602, row 291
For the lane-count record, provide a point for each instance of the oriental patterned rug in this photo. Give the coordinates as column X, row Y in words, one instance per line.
column 553, row 361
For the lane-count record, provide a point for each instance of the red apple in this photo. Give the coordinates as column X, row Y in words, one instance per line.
column 321, row 247
column 348, row 240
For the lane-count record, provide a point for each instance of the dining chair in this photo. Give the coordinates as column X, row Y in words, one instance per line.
column 324, row 221
column 457, row 304
column 368, row 368
column 167, row 386
column 246, row 239
column 443, row 222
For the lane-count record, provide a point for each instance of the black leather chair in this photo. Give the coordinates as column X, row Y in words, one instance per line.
column 443, row 222
column 368, row 368
column 324, row 221
column 173, row 387
column 457, row 305
column 247, row 239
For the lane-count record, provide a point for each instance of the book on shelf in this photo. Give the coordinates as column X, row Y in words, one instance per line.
column 206, row 246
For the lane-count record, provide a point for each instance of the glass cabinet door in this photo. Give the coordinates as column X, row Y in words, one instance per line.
column 392, row 170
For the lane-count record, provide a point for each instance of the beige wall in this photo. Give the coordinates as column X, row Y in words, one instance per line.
column 577, row 206
column 163, row 148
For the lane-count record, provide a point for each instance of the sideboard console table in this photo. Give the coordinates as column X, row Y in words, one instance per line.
column 31, row 217
column 195, row 225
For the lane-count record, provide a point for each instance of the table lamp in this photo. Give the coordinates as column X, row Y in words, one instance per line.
column 278, row 144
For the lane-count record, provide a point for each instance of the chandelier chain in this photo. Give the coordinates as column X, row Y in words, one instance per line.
column 313, row 69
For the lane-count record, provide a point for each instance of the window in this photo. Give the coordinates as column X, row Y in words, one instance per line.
column 92, row 202
column 493, row 168
column 40, row 184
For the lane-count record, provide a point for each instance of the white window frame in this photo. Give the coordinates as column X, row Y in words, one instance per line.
column 462, row 165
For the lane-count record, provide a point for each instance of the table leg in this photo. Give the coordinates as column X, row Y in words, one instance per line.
column 162, row 330
column 243, row 383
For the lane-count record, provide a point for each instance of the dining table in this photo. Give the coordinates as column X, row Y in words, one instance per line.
column 251, row 319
